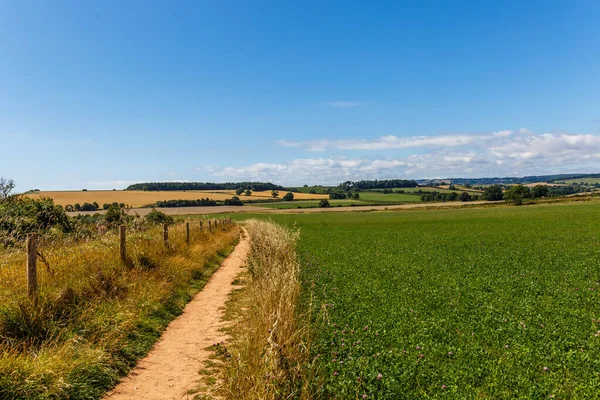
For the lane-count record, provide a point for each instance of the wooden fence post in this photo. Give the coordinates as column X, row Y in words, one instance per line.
column 166, row 234
column 209, row 225
column 187, row 233
column 200, row 225
column 32, row 266
column 123, row 243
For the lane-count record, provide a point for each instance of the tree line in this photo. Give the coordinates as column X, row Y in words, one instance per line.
column 172, row 186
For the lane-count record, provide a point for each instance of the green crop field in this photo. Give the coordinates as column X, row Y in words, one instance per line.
column 587, row 181
column 309, row 204
column 389, row 197
column 482, row 303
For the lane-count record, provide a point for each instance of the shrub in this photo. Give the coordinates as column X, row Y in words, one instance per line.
column 239, row 191
column 289, row 196
column 157, row 217
column 248, row 192
column 324, row 203
column 88, row 207
column 234, row 201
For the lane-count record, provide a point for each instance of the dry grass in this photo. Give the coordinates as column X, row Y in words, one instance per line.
column 269, row 351
column 96, row 315
column 140, row 198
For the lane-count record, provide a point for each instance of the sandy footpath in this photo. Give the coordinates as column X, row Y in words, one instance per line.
column 171, row 368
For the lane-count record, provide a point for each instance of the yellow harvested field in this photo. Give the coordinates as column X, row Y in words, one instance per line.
column 140, row 199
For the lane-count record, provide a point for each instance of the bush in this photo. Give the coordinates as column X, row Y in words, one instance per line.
column 324, row 203
column 239, row 191
column 234, row 201
column 20, row 216
column 289, row 196
column 248, row 192
column 88, row 207
column 157, row 217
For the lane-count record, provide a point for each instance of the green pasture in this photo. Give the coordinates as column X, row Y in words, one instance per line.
column 494, row 303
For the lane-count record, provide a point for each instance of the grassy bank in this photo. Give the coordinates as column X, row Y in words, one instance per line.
column 96, row 315
column 268, row 357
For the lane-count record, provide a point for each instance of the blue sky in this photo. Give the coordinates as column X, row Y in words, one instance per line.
column 98, row 95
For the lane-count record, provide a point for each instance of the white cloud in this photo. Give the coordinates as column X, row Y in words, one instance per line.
column 394, row 142
column 345, row 104
column 500, row 153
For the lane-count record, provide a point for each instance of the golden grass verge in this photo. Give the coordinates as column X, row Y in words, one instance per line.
column 269, row 352
column 96, row 315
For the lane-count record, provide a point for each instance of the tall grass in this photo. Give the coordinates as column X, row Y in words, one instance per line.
column 270, row 347
column 96, row 315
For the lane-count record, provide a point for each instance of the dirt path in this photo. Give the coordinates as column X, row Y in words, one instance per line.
column 171, row 368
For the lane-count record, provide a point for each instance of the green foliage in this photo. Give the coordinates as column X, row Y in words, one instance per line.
column 275, row 194
column 234, row 201
column 248, row 192
column 488, row 297
column 337, row 195
column 323, row 203
column 516, row 194
column 289, row 196
column 157, row 217
column 239, row 191
column 21, row 215
column 186, row 203
column 492, row 193
column 89, row 207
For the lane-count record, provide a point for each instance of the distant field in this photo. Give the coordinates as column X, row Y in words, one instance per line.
column 140, row 199
column 495, row 303
column 390, row 197
column 309, row 203
column 589, row 181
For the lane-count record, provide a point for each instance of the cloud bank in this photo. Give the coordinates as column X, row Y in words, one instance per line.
column 501, row 153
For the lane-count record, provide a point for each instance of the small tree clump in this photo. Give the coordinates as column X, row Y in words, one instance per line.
column 289, row 196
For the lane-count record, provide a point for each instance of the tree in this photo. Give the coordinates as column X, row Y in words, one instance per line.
column 464, row 196
column 77, row 207
column 540, row 191
column 248, row 192
column 355, row 196
column 275, row 194
column 312, row 191
column 6, row 188
column 69, row 208
column 517, row 193
column 289, row 196
column 451, row 187
column 239, row 191
column 324, row 203
column 493, row 193
column 234, row 201
column 335, row 195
